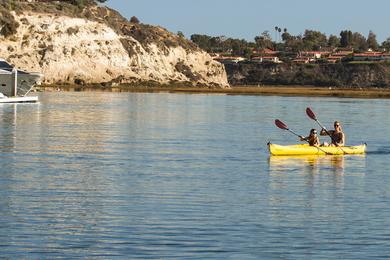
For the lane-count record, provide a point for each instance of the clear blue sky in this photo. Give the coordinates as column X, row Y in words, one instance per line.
column 248, row 18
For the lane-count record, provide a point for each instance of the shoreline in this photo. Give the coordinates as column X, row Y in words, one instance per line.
column 304, row 91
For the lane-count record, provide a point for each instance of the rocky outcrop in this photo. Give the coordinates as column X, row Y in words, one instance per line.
column 339, row 75
column 105, row 48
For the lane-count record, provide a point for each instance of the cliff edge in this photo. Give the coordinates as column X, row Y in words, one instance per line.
column 95, row 44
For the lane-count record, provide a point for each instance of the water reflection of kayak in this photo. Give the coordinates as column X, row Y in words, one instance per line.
column 317, row 164
column 306, row 149
column 299, row 160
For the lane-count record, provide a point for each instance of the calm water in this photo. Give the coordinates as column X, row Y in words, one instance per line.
column 107, row 175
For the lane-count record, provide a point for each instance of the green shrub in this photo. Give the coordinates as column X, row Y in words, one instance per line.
column 73, row 30
column 186, row 70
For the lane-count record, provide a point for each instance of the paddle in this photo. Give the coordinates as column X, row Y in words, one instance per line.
column 283, row 126
column 311, row 114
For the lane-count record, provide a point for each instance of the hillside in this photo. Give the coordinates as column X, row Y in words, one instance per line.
column 95, row 44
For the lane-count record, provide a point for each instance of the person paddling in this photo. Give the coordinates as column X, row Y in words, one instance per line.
column 337, row 135
column 312, row 139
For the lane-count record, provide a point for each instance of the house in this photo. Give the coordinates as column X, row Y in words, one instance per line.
column 333, row 59
column 266, row 55
column 310, row 56
column 338, row 56
column 386, row 56
column 301, row 60
column 228, row 59
column 313, row 54
column 265, row 52
column 270, row 59
column 368, row 56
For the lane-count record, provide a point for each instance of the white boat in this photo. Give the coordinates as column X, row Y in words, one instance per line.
column 32, row 99
column 15, row 84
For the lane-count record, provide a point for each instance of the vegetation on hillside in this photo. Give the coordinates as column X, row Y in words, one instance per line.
column 8, row 25
column 88, row 9
column 350, row 72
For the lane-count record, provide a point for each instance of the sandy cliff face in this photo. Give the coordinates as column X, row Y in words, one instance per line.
column 75, row 50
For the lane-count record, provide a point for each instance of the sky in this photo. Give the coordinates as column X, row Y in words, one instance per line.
column 245, row 19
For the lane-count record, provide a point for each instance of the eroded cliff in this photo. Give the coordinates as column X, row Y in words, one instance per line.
column 329, row 75
column 97, row 45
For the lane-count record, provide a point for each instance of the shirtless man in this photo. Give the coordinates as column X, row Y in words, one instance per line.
column 337, row 135
column 312, row 139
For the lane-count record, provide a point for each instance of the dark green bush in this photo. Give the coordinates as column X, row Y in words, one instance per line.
column 8, row 24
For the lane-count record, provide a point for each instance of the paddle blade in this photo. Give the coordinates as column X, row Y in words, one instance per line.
column 310, row 113
column 280, row 124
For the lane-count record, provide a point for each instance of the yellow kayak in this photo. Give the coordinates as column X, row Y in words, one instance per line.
column 306, row 149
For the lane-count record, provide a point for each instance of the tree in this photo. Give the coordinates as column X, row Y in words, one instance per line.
column 294, row 43
column 215, row 44
column 279, row 30
column 201, row 40
column 285, row 35
column 333, row 41
column 223, row 43
column 237, row 47
column 386, row 44
column 371, row 41
column 247, row 52
column 264, row 40
column 79, row 3
column 276, row 33
column 314, row 40
column 134, row 19
column 359, row 42
column 180, row 34
column 345, row 38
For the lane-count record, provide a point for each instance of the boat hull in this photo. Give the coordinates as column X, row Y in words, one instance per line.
column 25, row 81
column 305, row 149
column 19, row 100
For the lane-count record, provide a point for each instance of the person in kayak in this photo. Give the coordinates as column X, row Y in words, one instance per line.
column 312, row 139
column 337, row 135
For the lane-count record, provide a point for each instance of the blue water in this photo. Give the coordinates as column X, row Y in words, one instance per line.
column 126, row 176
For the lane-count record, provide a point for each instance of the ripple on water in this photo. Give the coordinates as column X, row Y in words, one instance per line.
column 126, row 175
